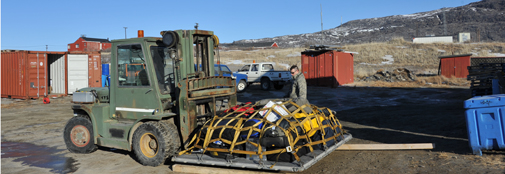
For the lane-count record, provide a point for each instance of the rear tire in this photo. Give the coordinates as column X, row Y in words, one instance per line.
column 241, row 86
column 78, row 135
column 265, row 84
column 154, row 142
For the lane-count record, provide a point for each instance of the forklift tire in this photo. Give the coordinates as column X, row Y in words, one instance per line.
column 152, row 143
column 78, row 135
column 172, row 137
column 265, row 84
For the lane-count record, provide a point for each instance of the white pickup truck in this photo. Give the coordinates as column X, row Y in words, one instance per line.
column 266, row 75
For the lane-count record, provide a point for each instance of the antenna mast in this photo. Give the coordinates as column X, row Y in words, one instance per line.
column 322, row 36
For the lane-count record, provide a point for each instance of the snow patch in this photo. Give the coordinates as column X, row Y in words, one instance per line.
column 389, row 59
column 294, row 55
column 498, row 54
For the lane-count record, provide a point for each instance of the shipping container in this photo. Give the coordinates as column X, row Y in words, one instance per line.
column 327, row 67
column 454, row 65
column 33, row 74
column 84, row 76
column 95, row 70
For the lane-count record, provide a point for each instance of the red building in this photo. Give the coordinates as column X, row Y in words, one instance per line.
column 86, row 44
column 454, row 65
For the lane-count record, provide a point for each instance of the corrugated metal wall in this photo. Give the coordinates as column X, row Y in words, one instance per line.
column 57, row 73
column 13, row 75
column 77, row 72
column 94, row 70
column 327, row 67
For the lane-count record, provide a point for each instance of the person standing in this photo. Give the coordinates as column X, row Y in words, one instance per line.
column 298, row 91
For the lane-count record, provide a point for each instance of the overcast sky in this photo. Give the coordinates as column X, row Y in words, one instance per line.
column 33, row 24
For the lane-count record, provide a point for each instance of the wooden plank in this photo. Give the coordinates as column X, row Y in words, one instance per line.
column 212, row 170
column 386, row 146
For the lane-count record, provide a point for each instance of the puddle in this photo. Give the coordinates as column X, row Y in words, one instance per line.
column 39, row 156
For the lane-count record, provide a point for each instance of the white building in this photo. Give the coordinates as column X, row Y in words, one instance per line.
column 434, row 39
column 464, row 37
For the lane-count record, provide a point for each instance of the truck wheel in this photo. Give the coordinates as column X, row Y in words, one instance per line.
column 265, row 84
column 78, row 135
column 278, row 87
column 151, row 143
column 241, row 86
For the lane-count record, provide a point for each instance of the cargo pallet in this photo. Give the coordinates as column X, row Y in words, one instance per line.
column 481, row 77
column 306, row 161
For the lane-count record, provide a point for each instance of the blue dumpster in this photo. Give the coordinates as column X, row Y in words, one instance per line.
column 485, row 120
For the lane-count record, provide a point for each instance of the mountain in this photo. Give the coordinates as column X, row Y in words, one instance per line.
column 485, row 18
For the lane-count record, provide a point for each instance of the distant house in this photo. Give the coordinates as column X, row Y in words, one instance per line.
column 256, row 45
column 85, row 44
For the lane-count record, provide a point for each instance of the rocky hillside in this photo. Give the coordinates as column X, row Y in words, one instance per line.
column 485, row 18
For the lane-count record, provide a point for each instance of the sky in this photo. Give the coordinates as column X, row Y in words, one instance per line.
column 33, row 24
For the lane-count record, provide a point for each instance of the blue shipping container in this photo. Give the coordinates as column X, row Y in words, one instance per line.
column 105, row 69
column 485, row 122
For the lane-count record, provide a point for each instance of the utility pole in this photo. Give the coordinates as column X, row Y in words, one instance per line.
column 478, row 34
column 125, row 32
column 46, row 48
column 445, row 25
column 322, row 36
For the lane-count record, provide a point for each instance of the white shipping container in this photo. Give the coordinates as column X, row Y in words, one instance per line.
column 435, row 39
column 56, row 73
column 77, row 72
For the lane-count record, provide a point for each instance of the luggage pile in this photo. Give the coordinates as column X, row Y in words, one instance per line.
column 273, row 130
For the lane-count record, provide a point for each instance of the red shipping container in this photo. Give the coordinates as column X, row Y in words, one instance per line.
column 327, row 67
column 455, row 65
column 33, row 74
column 95, row 69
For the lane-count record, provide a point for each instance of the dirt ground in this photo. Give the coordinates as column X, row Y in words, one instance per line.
column 32, row 132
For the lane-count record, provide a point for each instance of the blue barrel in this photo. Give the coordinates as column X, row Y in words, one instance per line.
column 105, row 69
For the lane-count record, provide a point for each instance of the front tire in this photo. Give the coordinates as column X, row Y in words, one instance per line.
column 241, row 86
column 78, row 135
column 153, row 143
column 265, row 84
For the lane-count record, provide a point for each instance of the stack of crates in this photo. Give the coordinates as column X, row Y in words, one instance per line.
column 481, row 77
column 485, row 122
